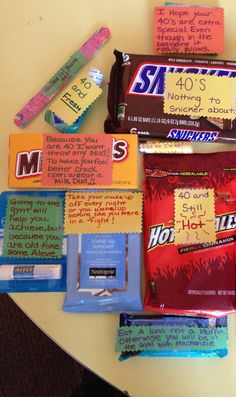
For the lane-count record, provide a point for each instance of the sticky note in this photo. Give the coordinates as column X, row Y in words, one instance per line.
column 75, row 99
column 33, row 227
column 26, row 153
column 159, row 146
column 103, row 212
column 164, row 338
column 70, row 160
column 196, row 95
column 194, row 218
column 197, row 30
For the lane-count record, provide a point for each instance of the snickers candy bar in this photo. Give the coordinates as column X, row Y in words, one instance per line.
column 136, row 99
column 223, row 124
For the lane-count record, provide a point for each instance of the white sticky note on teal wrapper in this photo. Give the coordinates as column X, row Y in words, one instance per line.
column 57, row 122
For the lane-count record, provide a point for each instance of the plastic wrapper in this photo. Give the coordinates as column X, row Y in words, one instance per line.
column 31, row 274
column 172, row 322
column 136, row 99
column 103, row 273
column 194, row 279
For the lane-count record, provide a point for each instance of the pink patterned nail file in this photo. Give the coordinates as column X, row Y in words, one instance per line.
column 62, row 77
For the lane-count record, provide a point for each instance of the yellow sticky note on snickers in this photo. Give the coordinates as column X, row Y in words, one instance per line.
column 198, row 95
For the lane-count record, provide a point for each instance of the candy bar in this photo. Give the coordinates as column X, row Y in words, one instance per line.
column 171, row 328
column 136, row 99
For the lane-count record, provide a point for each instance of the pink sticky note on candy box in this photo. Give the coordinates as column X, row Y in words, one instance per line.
column 188, row 29
column 70, row 160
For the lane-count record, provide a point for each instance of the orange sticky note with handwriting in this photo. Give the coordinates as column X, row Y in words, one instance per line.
column 103, row 212
column 70, row 160
column 75, row 99
column 193, row 30
column 194, row 219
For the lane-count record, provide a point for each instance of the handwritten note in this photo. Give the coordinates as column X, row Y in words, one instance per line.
column 70, row 160
column 198, row 30
column 194, row 220
column 158, row 146
column 164, row 338
column 196, row 95
column 33, row 227
column 105, row 212
column 75, row 99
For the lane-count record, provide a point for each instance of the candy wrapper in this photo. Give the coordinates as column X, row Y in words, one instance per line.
column 172, row 336
column 194, row 278
column 136, row 99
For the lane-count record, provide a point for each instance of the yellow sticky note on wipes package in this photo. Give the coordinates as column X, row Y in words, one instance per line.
column 103, row 212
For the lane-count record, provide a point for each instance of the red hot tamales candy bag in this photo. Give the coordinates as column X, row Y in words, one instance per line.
column 194, row 278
